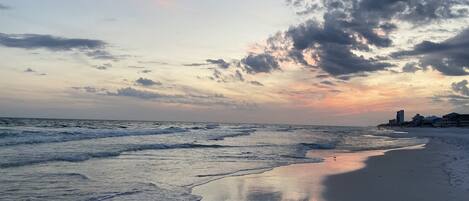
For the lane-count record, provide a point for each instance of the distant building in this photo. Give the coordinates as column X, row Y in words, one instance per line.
column 417, row 120
column 449, row 120
column 454, row 120
column 431, row 120
column 400, row 117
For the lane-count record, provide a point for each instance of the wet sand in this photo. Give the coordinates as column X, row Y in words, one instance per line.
column 404, row 175
column 437, row 172
column 293, row 182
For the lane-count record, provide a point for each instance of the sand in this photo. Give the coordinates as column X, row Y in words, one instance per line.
column 405, row 175
column 439, row 171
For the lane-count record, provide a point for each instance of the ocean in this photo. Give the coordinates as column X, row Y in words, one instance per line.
column 51, row 159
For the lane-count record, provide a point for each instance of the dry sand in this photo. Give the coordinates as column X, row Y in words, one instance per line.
column 401, row 175
column 438, row 172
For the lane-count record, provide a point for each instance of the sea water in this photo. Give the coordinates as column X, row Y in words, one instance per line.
column 50, row 159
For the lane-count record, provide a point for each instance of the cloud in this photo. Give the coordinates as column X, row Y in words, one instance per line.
column 131, row 92
column 332, row 42
column 34, row 72
column 458, row 101
column 92, row 48
column 410, row 67
column 91, row 89
column 4, row 7
column 195, row 64
column 35, row 41
column 260, row 63
column 256, row 83
column 327, row 82
column 459, row 97
column 154, row 62
column 218, row 76
column 415, row 11
column 197, row 99
column 239, row 76
column 103, row 67
column 321, row 76
column 101, row 55
column 219, row 62
column 136, row 66
column 29, row 70
column 147, row 82
column 352, row 28
column 461, row 87
column 450, row 57
column 339, row 60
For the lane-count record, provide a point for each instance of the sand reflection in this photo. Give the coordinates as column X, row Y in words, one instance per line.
column 294, row 182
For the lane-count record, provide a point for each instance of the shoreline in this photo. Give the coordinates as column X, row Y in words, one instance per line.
column 433, row 173
column 418, row 174
column 288, row 182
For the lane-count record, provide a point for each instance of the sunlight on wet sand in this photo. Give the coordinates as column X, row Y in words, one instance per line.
column 293, row 182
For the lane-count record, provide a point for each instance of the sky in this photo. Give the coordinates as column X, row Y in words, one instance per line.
column 321, row 62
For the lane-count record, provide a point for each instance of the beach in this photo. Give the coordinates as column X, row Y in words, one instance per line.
column 436, row 171
column 56, row 159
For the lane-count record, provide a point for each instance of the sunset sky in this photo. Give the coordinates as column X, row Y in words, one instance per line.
column 265, row 61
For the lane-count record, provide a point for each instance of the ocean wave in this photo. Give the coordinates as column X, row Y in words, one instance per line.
column 19, row 137
column 56, row 176
column 319, row 145
column 145, row 191
column 239, row 133
column 79, row 157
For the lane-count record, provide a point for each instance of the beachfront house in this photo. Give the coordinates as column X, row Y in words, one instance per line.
column 453, row 120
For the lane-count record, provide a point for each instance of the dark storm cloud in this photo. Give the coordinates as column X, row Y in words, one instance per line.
column 147, row 82
column 260, row 63
column 92, row 48
column 450, row 57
